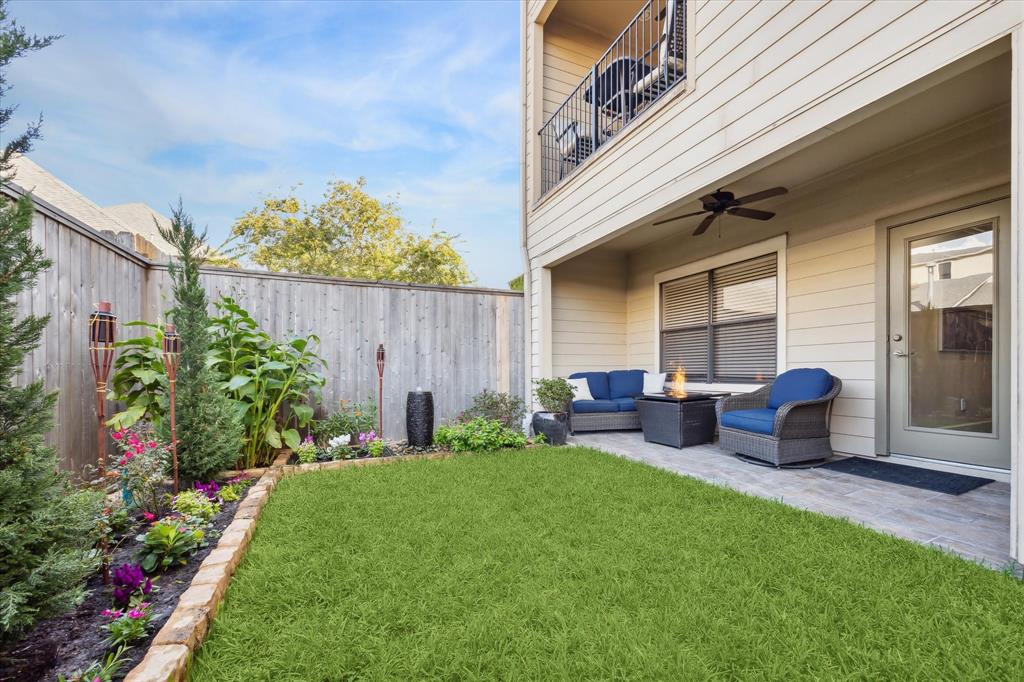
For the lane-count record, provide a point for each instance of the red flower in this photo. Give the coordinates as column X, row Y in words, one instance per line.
column 117, row 435
column 151, row 444
column 148, row 516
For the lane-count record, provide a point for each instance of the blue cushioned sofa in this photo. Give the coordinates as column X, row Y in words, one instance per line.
column 785, row 422
column 613, row 407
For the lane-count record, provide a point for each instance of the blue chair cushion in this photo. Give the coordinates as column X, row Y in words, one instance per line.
column 760, row 420
column 799, row 384
column 625, row 404
column 594, row 406
column 625, row 383
column 598, row 382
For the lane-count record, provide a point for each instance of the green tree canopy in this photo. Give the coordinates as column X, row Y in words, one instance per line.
column 348, row 234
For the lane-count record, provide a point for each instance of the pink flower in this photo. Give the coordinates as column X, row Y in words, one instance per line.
column 122, row 461
column 135, row 614
column 117, row 435
column 113, row 614
column 149, row 516
column 139, row 449
column 151, row 444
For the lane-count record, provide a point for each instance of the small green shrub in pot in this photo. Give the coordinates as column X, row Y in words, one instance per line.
column 554, row 396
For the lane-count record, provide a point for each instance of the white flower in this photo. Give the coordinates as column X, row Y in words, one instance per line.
column 338, row 441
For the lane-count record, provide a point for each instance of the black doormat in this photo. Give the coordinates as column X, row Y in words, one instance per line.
column 915, row 477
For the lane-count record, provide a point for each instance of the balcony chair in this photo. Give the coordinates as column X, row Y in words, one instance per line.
column 574, row 146
column 785, row 422
column 671, row 54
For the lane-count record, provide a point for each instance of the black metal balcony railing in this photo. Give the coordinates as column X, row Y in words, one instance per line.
column 642, row 64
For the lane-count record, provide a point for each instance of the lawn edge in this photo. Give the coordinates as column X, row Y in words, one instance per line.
column 170, row 653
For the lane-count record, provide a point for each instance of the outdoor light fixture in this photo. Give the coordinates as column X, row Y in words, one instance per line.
column 102, row 334
column 172, row 355
column 380, row 391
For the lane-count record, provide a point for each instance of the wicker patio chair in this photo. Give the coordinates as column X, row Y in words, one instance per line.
column 788, row 433
column 671, row 66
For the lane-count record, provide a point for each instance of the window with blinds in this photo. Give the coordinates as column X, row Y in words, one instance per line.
column 721, row 324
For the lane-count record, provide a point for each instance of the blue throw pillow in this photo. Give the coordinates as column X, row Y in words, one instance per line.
column 799, row 384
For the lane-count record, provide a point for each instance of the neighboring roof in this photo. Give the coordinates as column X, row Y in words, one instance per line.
column 33, row 178
column 972, row 290
column 140, row 218
column 952, row 254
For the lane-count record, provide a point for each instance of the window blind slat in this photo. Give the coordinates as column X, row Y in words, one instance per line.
column 745, row 352
column 684, row 302
column 686, row 348
column 744, row 290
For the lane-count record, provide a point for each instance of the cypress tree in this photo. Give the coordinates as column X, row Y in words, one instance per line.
column 208, row 428
column 47, row 529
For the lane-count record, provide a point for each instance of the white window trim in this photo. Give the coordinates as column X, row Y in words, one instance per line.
column 776, row 245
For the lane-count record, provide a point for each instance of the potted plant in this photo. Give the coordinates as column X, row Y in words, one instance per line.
column 554, row 396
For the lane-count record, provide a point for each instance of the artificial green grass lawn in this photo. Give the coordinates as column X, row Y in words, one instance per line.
column 569, row 563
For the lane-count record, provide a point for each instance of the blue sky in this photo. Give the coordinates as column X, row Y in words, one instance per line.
column 226, row 102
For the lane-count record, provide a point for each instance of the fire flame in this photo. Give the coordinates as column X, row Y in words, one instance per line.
column 678, row 383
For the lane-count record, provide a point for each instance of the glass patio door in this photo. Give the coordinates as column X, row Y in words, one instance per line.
column 949, row 337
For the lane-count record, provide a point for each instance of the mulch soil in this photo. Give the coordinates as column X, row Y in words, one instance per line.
column 74, row 640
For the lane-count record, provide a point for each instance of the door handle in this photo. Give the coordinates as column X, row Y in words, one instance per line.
column 901, row 354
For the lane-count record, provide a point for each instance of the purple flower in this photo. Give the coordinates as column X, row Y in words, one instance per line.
column 211, row 489
column 128, row 579
column 135, row 614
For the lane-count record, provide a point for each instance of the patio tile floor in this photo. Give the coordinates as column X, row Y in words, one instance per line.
column 975, row 525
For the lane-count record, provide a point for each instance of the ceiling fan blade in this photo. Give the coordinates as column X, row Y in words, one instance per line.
column 704, row 225
column 708, row 199
column 687, row 215
column 751, row 213
column 763, row 194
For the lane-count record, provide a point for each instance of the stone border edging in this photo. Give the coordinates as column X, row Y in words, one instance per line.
column 170, row 652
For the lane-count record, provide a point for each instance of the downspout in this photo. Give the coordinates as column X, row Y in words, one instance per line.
column 524, row 248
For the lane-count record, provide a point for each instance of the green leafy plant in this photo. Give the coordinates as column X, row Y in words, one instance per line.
column 350, row 419
column 478, row 434
column 270, row 381
column 209, row 431
column 139, row 379
column 127, row 625
column 100, row 672
column 376, row 447
column 195, row 503
column 168, row 542
column 554, row 395
column 306, row 452
column 143, row 465
column 503, row 407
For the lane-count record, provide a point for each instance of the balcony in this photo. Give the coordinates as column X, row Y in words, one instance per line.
column 645, row 61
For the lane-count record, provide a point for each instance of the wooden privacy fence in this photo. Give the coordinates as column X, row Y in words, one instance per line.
column 454, row 341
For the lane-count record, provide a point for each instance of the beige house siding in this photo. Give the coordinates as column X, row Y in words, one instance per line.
column 588, row 315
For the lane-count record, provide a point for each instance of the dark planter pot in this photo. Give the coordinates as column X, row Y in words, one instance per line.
column 554, row 426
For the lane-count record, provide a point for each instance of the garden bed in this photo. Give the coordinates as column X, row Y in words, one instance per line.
column 72, row 641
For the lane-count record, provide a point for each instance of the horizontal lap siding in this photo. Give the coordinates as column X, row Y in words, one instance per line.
column 588, row 315
column 827, row 326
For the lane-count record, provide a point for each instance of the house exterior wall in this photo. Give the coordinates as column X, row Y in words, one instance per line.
column 767, row 78
column 830, row 311
column 588, row 315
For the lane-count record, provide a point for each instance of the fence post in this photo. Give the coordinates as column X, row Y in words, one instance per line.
column 595, row 132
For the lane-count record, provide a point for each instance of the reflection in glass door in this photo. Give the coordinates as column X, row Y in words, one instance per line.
column 950, row 331
column 948, row 340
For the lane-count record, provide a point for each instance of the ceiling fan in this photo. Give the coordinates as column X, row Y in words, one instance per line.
column 721, row 202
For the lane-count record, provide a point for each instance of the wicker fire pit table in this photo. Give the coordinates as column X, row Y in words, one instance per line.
column 679, row 420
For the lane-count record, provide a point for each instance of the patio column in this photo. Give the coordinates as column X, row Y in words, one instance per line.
column 1017, row 300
